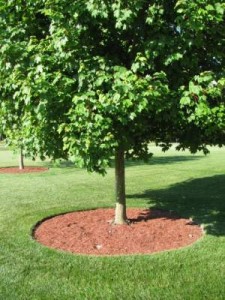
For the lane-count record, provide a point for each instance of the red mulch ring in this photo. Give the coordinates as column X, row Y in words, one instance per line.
column 92, row 232
column 16, row 170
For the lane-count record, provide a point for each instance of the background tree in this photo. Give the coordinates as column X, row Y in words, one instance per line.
column 24, row 92
column 13, row 124
column 101, row 79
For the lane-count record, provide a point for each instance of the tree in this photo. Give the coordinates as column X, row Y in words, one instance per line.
column 23, row 92
column 13, row 127
column 101, row 79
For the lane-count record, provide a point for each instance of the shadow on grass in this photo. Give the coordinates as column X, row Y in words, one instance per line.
column 60, row 164
column 162, row 160
column 159, row 160
column 202, row 199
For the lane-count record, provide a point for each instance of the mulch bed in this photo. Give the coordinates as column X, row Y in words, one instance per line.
column 92, row 232
column 16, row 170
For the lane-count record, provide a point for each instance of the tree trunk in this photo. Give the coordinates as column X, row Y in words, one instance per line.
column 21, row 159
column 120, row 211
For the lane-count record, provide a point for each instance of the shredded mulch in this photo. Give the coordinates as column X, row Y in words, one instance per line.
column 92, row 232
column 16, row 170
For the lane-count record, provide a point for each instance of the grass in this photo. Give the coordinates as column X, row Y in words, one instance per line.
column 193, row 186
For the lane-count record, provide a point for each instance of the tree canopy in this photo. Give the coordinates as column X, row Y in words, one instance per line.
column 95, row 76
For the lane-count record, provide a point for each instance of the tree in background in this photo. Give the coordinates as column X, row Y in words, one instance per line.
column 13, row 124
column 19, row 109
column 101, row 79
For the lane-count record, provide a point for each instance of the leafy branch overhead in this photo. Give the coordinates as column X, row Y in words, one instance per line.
column 81, row 78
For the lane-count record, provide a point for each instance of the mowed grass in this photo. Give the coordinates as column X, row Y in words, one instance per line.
column 193, row 186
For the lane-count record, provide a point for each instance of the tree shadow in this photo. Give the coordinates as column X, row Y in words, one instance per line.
column 150, row 214
column 62, row 164
column 155, row 160
column 164, row 160
column 201, row 199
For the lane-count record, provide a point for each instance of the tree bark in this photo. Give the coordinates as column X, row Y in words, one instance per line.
column 120, row 211
column 21, row 159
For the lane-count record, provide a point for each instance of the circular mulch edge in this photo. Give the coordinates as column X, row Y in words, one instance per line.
column 16, row 170
column 92, row 232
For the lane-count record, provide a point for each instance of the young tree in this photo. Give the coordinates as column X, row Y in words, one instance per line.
column 13, row 127
column 101, row 79
column 24, row 92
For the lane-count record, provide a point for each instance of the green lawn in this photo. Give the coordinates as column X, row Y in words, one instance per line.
column 193, row 186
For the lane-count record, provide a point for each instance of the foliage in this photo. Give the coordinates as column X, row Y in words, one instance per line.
column 202, row 96
column 203, row 102
column 84, row 78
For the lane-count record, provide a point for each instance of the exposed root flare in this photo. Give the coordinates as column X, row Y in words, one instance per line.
column 124, row 222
